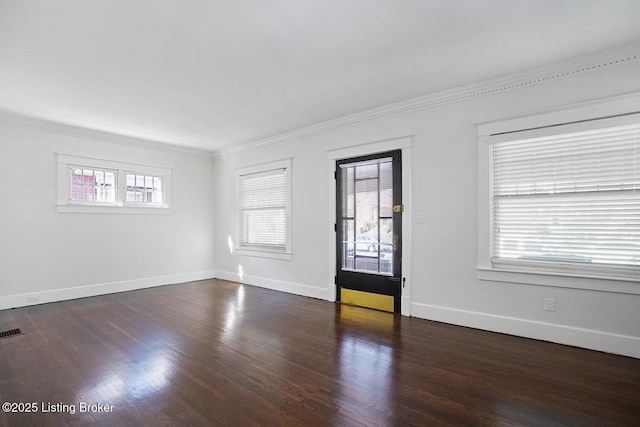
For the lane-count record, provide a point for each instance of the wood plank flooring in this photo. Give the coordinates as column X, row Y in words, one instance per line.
column 218, row 353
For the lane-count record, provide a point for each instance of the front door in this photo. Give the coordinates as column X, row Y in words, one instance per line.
column 369, row 230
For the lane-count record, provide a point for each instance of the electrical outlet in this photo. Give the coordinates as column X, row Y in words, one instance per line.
column 33, row 298
column 549, row 304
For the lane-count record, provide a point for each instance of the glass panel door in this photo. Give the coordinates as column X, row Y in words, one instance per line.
column 368, row 227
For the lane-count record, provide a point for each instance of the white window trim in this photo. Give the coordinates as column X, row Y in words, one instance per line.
column 612, row 107
column 65, row 205
column 287, row 255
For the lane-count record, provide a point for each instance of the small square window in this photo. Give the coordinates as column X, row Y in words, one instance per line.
column 92, row 185
column 144, row 189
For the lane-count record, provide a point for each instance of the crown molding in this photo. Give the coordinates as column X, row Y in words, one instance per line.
column 560, row 70
column 11, row 119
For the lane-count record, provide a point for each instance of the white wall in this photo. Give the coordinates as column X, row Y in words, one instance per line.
column 444, row 162
column 48, row 256
column 52, row 256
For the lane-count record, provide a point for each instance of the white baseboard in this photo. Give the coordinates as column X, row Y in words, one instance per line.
column 331, row 296
column 42, row 297
column 278, row 285
column 405, row 305
column 579, row 337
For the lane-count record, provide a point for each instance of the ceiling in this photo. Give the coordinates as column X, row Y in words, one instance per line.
column 213, row 74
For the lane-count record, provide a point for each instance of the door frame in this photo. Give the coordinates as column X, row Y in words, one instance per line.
column 403, row 144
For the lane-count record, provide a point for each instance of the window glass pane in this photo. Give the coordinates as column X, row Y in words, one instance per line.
column 99, row 178
column 348, row 191
column 89, row 183
column 265, row 227
column 109, row 179
column 77, row 179
column 109, row 187
column 348, row 243
column 386, row 230
column 386, row 190
column 92, row 185
column 131, row 188
column 146, row 189
column 367, row 171
column 367, row 199
column 109, row 194
column 100, row 194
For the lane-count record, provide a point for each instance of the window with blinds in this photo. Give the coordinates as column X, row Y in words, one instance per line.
column 264, row 208
column 568, row 201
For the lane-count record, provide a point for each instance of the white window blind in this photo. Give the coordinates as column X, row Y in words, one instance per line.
column 568, row 201
column 264, row 210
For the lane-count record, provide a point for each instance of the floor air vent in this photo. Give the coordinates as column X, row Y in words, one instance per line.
column 10, row 333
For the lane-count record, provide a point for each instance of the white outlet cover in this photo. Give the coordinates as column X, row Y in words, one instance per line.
column 550, row 304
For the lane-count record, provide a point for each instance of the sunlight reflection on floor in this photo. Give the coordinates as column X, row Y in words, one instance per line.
column 131, row 381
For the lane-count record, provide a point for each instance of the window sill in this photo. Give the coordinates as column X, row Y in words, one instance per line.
column 287, row 256
column 93, row 209
column 624, row 285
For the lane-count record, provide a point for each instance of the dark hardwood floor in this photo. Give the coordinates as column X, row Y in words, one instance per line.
column 219, row 353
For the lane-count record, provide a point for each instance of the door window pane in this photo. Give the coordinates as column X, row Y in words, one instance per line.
column 367, row 216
